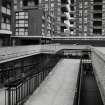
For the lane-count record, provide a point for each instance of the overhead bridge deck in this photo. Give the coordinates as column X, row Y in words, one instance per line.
column 59, row 87
column 17, row 52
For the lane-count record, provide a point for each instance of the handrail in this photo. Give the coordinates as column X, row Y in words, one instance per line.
column 79, row 83
column 18, row 90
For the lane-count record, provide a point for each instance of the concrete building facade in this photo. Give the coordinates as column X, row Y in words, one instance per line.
column 6, row 22
column 57, row 9
column 73, row 17
column 90, row 18
column 31, row 22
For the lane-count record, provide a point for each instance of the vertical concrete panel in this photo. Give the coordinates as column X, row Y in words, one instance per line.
column 35, row 22
column 0, row 12
column 1, row 42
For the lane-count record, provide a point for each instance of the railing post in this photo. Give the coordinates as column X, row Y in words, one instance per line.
column 9, row 96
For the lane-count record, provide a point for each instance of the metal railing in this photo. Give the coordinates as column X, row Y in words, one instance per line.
column 19, row 90
column 79, row 84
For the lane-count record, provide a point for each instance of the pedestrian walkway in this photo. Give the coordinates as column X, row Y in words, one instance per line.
column 2, row 96
column 60, row 85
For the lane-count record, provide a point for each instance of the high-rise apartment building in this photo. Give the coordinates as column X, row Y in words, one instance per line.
column 57, row 9
column 90, row 18
column 31, row 22
column 72, row 17
column 83, row 16
column 87, row 22
column 98, row 18
column 53, row 23
column 86, row 17
column 5, row 21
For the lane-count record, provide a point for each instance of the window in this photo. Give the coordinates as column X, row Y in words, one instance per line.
column 85, row 34
column 46, row 7
column 72, row 8
column 52, row 4
column 97, row 23
column 97, row 31
column 98, row 0
column 5, row 23
column 85, row 11
column 59, row 3
column 15, row 1
column 71, row 15
column 15, row 7
column 85, row 20
column 97, row 7
column 71, row 30
column 80, row 5
column 58, row 18
column 58, row 9
column 21, row 4
column 80, row 20
column 52, row 13
column 71, row 22
column 86, row 3
column 4, row 10
column 85, row 28
column 72, row 1
column 21, row 23
column 97, row 15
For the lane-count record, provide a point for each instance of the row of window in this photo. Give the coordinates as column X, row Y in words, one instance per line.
column 21, row 31
column 48, row 0
column 6, row 10
column 5, row 26
column 22, row 23
column 5, row 20
column 6, row 4
column 22, row 15
column 85, row 20
column 30, row 2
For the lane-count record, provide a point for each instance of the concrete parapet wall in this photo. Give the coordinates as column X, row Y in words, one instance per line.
column 17, row 52
column 98, row 62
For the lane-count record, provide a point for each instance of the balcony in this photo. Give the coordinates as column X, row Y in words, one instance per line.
column 5, row 32
column 97, row 7
column 97, row 11
column 97, row 1
column 64, row 8
column 97, row 27
column 64, row 16
column 97, row 19
column 3, row 9
column 97, row 15
column 64, row 2
column 6, row 11
column 30, row 4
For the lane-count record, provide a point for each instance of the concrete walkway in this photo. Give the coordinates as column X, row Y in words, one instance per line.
column 59, row 87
